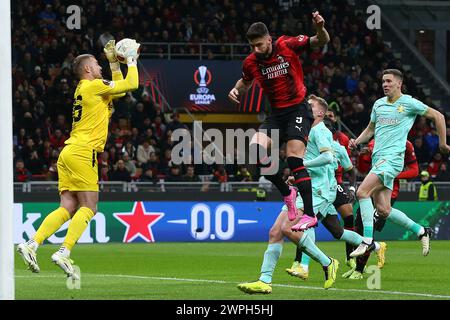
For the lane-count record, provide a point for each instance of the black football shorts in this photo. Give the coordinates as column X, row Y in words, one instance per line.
column 293, row 123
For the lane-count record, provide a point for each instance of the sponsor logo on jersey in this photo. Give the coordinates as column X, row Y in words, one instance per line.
column 276, row 70
column 388, row 121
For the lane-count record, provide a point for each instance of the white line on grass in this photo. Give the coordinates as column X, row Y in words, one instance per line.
column 227, row 282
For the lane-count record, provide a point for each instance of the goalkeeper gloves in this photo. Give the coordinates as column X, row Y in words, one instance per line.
column 110, row 51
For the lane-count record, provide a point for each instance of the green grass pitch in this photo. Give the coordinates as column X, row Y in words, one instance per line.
column 205, row 271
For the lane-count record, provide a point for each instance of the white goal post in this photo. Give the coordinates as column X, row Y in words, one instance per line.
column 6, row 158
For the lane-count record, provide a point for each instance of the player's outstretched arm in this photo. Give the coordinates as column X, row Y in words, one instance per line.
column 113, row 88
column 364, row 136
column 322, row 37
column 240, row 88
column 439, row 120
column 324, row 158
column 130, row 83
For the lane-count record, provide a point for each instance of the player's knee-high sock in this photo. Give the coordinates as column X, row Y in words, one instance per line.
column 301, row 258
column 302, row 182
column 358, row 223
column 276, row 179
column 51, row 224
column 310, row 248
column 349, row 225
column 305, row 258
column 361, row 261
column 298, row 255
column 367, row 218
column 351, row 237
column 305, row 262
column 77, row 226
column 402, row 219
column 281, row 185
column 271, row 257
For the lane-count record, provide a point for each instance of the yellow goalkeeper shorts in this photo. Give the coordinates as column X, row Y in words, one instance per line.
column 77, row 169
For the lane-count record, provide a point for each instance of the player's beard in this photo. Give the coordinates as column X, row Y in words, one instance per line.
column 261, row 56
column 265, row 54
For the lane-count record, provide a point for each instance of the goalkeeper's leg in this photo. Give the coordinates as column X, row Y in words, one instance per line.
column 88, row 207
column 49, row 226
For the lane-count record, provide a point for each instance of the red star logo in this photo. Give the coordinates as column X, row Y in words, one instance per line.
column 138, row 222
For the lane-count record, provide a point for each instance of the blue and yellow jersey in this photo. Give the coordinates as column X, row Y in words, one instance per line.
column 393, row 120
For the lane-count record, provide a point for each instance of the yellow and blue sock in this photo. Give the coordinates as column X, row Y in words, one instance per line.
column 367, row 218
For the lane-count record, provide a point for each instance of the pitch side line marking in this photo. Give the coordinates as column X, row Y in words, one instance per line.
column 227, row 282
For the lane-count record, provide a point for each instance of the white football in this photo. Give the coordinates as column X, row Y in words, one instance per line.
column 125, row 48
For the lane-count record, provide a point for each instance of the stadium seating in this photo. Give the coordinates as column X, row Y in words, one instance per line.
column 346, row 72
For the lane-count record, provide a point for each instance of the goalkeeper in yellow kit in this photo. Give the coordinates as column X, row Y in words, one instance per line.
column 77, row 163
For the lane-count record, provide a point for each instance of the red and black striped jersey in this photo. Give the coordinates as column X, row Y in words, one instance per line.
column 281, row 74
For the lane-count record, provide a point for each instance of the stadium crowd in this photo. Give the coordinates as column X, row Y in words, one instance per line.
column 346, row 73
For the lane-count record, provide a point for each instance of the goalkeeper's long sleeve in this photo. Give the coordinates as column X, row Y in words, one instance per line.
column 130, row 83
column 323, row 159
column 116, row 76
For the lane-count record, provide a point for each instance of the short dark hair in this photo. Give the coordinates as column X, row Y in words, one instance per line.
column 320, row 100
column 78, row 63
column 256, row 30
column 397, row 73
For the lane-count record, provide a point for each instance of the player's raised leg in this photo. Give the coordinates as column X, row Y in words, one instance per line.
column 384, row 209
column 259, row 147
column 49, row 226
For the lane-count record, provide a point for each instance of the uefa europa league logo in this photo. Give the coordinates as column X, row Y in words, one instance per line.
column 202, row 78
column 202, row 71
